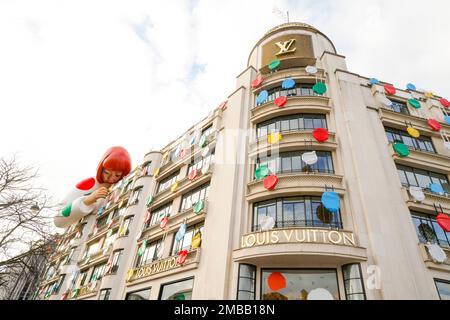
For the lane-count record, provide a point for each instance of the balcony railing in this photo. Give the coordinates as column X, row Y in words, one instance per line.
column 428, row 190
column 399, row 108
column 296, row 92
column 336, row 224
column 305, row 169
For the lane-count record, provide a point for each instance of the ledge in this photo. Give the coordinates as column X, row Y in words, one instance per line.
column 274, row 79
column 174, row 223
column 169, row 167
column 427, row 205
column 397, row 120
column 295, row 104
column 52, row 279
column 299, row 246
column 423, row 160
column 183, row 186
column 295, row 185
column 96, row 257
column 102, row 231
column 163, row 268
column 429, row 263
column 86, row 292
column 292, row 141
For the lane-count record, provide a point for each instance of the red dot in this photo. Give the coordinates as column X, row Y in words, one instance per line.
column 444, row 102
column 320, row 134
column 280, row 101
column 270, row 182
column 389, row 89
column 434, row 125
column 222, row 105
column 257, row 82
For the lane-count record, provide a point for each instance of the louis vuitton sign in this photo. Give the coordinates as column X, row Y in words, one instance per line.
column 294, row 50
column 298, row 235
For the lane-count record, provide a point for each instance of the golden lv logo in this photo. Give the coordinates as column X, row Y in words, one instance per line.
column 285, row 47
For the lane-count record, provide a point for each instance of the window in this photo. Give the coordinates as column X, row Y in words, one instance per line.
column 126, row 225
column 128, row 185
column 147, row 169
column 104, row 294
column 246, row 282
column 93, row 248
column 304, row 89
column 50, row 272
column 288, row 162
column 185, row 243
column 111, row 236
column 116, row 260
column 115, row 213
column 135, row 196
column 428, row 230
column 59, row 284
column 353, row 282
column 167, row 182
column 298, row 283
column 70, row 256
column 82, row 278
column 150, row 253
column 443, row 288
column 296, row 212
column 207, row 131
column 181, row 290
column 399, row 107
column 158, row 214
column 199, row 163
column 139, row 295
column 65, row 259
column 291, row 123
column 101, row 222
column 420, row 178
column 191, row 198
column 423, row 143
column 81, row 229
column 97, row 273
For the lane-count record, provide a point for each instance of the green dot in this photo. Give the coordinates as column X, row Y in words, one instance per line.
column 319, row 88
column 199, row 206
column 149, row 200
column 274, row 64
column 67, row 210
column 401, row 149
column 414, row 103
column 202, row 142
column 261, row 172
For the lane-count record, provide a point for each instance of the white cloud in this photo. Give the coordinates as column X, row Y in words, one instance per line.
column 77, row 77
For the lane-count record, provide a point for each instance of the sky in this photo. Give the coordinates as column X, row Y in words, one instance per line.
column 77, row 77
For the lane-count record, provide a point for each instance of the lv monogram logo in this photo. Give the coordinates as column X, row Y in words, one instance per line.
column 285, row 47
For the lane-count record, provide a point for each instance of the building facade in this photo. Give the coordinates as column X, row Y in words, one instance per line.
column 22, row 275
column 237, row 207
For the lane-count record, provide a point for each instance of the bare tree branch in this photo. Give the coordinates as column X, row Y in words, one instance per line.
column 25, row 220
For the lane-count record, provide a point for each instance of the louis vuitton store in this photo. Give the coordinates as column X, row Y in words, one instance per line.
column 309, row 182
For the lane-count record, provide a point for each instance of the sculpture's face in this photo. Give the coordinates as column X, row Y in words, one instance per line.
column 110, row 176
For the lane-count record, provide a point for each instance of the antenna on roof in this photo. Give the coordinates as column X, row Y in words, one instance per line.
column 280, row 14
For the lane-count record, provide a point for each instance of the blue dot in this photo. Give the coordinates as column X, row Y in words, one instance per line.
column 447, row 119
column 436, row 188
column 330, row 201
column 374, row 81
column 262, row 97
column 411, row 87
column 288, row 84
